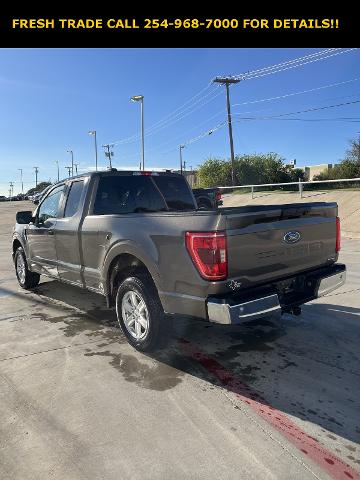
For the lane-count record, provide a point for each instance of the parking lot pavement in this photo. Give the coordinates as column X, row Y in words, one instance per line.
column 268, row 399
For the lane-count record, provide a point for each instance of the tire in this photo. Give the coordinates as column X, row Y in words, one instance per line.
column 147, row 334
column 26, row 279
column 203, row 205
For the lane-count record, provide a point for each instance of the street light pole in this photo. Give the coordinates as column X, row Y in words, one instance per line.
column 21, row 179
column 76, row 165
column 36, row 175
column 140, row 98
column 69, row 170
column 227, row 81
column 181, row 161
column 58, row 172
column 72, row 161
column 93, row 133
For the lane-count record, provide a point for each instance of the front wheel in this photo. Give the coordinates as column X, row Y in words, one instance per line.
column 25, row 278
column 140, row 313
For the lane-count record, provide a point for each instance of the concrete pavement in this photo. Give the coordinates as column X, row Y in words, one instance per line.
column 77, row 402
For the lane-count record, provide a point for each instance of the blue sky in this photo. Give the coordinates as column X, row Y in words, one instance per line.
column 51, row 98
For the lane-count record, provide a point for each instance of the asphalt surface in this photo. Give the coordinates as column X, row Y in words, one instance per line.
column 272, row 399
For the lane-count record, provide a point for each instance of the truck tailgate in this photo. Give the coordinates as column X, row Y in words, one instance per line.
column 266, row 243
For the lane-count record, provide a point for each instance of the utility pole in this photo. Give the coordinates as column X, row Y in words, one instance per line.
column 181, row 161
column 21, row 180
column 184, row 166
column 69, row 170
column 58, row 172
column 93, row 133
column 227, row 81
column 109, row 153
column 36, row 175
column 11, row 189
column 72, row 161
column 76, row 165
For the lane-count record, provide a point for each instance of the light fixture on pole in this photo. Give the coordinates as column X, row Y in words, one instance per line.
column 21, row 179
column 58, row 172
column 72, row 161
column 181, row 161
column 140, row 98
column 36, row 175
column 93, row 133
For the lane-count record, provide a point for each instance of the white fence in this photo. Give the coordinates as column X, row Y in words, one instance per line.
column 300, row 184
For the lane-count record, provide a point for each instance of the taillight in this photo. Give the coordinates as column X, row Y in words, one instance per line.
column 338, row 235
column 208, row 251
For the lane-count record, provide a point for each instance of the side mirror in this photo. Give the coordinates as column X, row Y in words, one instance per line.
column 24, row 218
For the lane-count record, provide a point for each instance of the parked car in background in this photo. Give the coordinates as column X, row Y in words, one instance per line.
column 208, row 198
column 37, row 197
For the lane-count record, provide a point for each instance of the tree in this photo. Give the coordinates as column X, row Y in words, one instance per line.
column 347, row 168
column 249, row 169
column 353, row 153
column 214, row 172
column 40, row 187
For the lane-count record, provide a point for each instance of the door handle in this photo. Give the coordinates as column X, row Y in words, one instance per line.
column 51, row 232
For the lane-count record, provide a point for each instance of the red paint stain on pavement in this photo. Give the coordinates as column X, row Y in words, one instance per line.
column 310, row 446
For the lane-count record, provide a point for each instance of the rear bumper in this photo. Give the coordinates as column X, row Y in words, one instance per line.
column 280, row 296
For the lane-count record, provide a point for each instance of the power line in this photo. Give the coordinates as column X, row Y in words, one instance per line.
column 179, row 113
column 296, row 93
column 134, row 137
column 305, row 111
column 171, row 119
column 308, row 57
column 334, row 119
column 285, row 66
column 217, row 127
column 295, row 60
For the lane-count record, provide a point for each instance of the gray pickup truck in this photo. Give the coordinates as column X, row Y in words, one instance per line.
column 138, row 239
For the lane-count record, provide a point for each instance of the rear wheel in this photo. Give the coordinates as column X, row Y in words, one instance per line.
column 204, row 205
column 26, row 279
column 140, row 313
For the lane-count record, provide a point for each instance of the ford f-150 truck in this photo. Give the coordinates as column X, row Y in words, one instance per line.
column 139, row 239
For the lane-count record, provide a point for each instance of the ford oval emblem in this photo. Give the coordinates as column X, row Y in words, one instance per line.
column 292, row 237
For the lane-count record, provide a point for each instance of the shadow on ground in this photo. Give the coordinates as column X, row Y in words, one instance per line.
column 304, row 366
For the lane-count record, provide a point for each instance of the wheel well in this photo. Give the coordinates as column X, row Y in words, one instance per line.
column 120, row 268
column 16, row 245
